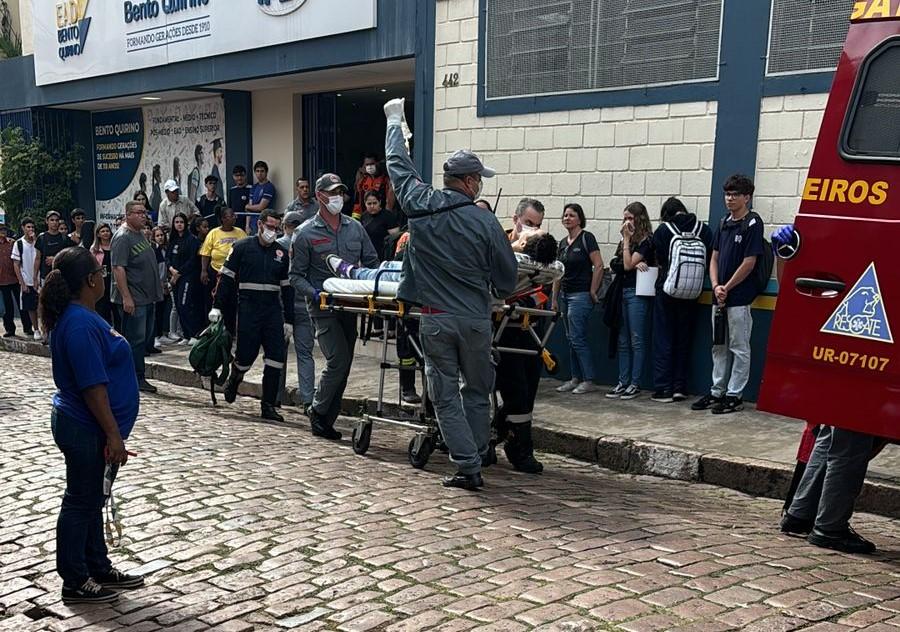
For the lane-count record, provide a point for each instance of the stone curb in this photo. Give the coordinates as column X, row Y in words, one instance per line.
column 630, row 456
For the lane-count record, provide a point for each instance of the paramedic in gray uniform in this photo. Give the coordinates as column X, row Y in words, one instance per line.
column 329, row 233
column 457, row 253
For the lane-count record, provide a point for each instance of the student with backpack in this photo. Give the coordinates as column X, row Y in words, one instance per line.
column 740, row 266
column 682, row 244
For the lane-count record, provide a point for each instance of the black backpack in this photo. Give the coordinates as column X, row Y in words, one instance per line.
column 765, row 263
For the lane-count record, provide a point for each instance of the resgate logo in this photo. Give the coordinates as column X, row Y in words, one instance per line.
column 279, row 7
column 72, row 27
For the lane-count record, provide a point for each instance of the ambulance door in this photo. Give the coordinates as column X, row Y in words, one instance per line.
column 833, row 350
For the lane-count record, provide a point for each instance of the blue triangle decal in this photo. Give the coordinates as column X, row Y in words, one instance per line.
column 861, row 314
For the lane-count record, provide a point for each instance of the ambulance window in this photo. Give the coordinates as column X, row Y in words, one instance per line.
column 872, row 128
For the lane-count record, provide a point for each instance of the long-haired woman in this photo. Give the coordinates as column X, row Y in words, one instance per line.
column 183, row 263
column 100, row 249
column 94, row 409
column 636, row 253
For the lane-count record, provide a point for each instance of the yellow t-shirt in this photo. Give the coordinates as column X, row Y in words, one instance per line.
column 218, row 244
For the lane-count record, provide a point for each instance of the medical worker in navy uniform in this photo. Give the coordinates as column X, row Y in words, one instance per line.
column 257, row 269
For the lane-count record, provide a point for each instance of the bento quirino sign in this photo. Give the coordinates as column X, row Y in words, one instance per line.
column 72, row 27
column 76, row 42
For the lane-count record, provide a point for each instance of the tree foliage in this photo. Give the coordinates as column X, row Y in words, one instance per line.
column 35, row 179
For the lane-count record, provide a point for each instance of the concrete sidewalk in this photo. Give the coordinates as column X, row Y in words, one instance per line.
column 749, row 451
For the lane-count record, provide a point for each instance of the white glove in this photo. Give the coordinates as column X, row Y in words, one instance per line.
column 394, row 111
column 215, row 315
column 288, row 331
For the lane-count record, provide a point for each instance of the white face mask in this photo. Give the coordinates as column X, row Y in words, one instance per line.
column 335, row 204
column 371, row 169
column 268, row 235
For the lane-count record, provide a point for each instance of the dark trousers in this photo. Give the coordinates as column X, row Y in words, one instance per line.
column 10, row 305
column 80, row 549
column 262, row 325
column 518, row 376
column 337, row 341
column 137, row 328
column 188, row 304
column 673, row 329
column 833, row 479
column 407, row 330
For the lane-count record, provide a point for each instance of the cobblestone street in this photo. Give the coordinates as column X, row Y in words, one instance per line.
column 244, row 525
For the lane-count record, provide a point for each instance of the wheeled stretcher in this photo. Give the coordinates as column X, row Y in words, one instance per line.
column 378, row 298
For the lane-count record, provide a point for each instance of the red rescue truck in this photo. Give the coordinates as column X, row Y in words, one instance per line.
column 833, row 356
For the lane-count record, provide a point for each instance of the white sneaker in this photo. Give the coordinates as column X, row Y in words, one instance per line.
column 193, row 341
column 173, row 337
column 584, row 387
column 37, row 335
column 565, row 387
column 158, row 341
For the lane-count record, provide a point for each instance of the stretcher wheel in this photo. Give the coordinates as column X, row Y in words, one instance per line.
column 362, row 437
column 419, row 459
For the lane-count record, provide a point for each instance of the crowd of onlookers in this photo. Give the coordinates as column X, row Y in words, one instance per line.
column 192, row 238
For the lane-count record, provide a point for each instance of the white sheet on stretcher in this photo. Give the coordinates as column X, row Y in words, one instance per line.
column 531, row 274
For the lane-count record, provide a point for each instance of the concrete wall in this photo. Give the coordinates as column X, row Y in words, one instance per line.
column 20, row 10
column 788, row 129
column 277, row 139
column 601, row 158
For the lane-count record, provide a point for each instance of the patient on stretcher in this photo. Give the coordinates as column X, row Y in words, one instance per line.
column 537, row 266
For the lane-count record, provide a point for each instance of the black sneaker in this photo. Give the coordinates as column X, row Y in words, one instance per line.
column 848, row 542
column 707, row 401
column 146, row 387
column 631, row 392
column 730, row 404
column 463, row 481
column 89, row 592
column 678, row 396
column 795, row 526
column 662, row 397
column 118, row 580
column 322, row 429
column 616, row 391
column 9, row 334
column 411, row 397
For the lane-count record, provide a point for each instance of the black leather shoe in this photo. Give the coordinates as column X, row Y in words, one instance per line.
column 411, row 397
column 795, row 526
column 848, row 542
column 231, row 389
column 146, row 387
column 463, row 481
column 269, row 412
column 322, row 429
column 490, row 458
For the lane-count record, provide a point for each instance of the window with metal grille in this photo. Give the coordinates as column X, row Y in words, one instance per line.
column 537, row 47
column 807, row 35
column 872, row 130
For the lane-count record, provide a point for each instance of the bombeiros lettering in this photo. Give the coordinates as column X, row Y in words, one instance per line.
column 845, row 191
column 150, row 9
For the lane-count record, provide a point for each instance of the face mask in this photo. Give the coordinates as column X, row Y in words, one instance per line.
column 335, row 204
column 268, row 235
column 371, row 169
column 479, row 190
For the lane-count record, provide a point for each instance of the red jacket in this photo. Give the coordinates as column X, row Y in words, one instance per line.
column 7, row 270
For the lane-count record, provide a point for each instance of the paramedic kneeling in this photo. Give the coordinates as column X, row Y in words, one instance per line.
column 94, row 410
column 454, row 292
column 329, row 233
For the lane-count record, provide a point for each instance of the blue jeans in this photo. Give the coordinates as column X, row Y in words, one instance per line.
column 388, row 271
column 632, row 337
column 576, row 309
column 80, row 549
column 137, row 329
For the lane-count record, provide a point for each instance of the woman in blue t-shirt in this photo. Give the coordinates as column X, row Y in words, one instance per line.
column 94, row 410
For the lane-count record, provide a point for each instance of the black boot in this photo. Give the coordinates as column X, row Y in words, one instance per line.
column 519, row 449
column 268, row 411
column 408, row 384
column 231, row 385
column 322, row 428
